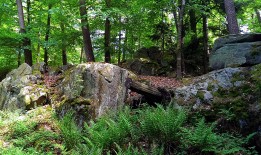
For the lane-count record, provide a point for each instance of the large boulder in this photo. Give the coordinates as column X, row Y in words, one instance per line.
column 91, row 89
column 143, row 66
column 224, row 92
column 231, row 97
column 19, row 90
column 200, row 90
column 235, row 51
column 149, row 61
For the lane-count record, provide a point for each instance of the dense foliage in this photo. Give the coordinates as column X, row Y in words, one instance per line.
column 144, row 131
column 133, row 25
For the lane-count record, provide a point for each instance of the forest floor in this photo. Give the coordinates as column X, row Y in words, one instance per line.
column 160, row 81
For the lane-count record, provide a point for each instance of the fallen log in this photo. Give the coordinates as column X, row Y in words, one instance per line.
column 144, row 89
column 150, row 94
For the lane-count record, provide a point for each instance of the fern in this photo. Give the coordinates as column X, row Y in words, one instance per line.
column 108, row 131
column 162, row 124
column 200, row 137
column 70, row 132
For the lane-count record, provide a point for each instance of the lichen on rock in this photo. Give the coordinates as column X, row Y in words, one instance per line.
column 19, row 90
column 91, row 89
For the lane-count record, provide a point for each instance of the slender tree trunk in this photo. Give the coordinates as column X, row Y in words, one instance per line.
column 119, row 45
column 64, row 54
column 47, row 34
column 107, row 36
column 231, row 17
column 107, row 41
column 19, row 57
column 125, row 46
column 162, row 32
column 193, row 23
column 28, row 2
column 38, row 48
column 87, row 43
column 180, row 40
column 205, row 36
column 26, row 41
column 81, row 57
column 258, row 15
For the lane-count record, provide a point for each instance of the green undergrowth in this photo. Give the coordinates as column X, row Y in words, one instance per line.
column 161, row 130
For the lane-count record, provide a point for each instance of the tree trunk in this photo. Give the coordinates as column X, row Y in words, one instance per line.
column 28, row 3
column 107, row 35
column 180, row 40
column 87, row 43
column 258, row 15
column 205, row 37
column 125, row 45
column 64, row 54
column 47, row 34
column 26, row 41
column 107, row 47
column 119, row 45
column 231, row 17
column 29, row 53
column 38, row 49
column 81, row 57
column 19, row 57
column 107, row 41
column 193, row 22
column 162, row 32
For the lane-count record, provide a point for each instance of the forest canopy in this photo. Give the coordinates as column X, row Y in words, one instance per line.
column 66, row 31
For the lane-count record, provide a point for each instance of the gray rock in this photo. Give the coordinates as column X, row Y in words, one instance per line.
column 23, row 70
column 240, row 38
column 91, row 89
column 19, row 91
column 235, row 51
column 201, row 88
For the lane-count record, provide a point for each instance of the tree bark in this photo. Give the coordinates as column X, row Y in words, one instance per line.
column 107, row 41
column 119, row 45
column 28, row 2
column 38, row 48
column 47, row 34
column 180, row 40
column 231, row 17
column 87, row 43
column 107, row 36
column 26, row 41
column 162, row 32
column 205, row 37
column 64, row 54
column 125, row 45
column 193, row 22
column 19, row 57
column 81, row 57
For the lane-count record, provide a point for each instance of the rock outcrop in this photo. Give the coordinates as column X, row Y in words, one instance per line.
column 91, row 89
column 236, row 51
column 20, row 90
column 150, row 61
column 231, row 97
column 201, row 89
column 224, row 92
